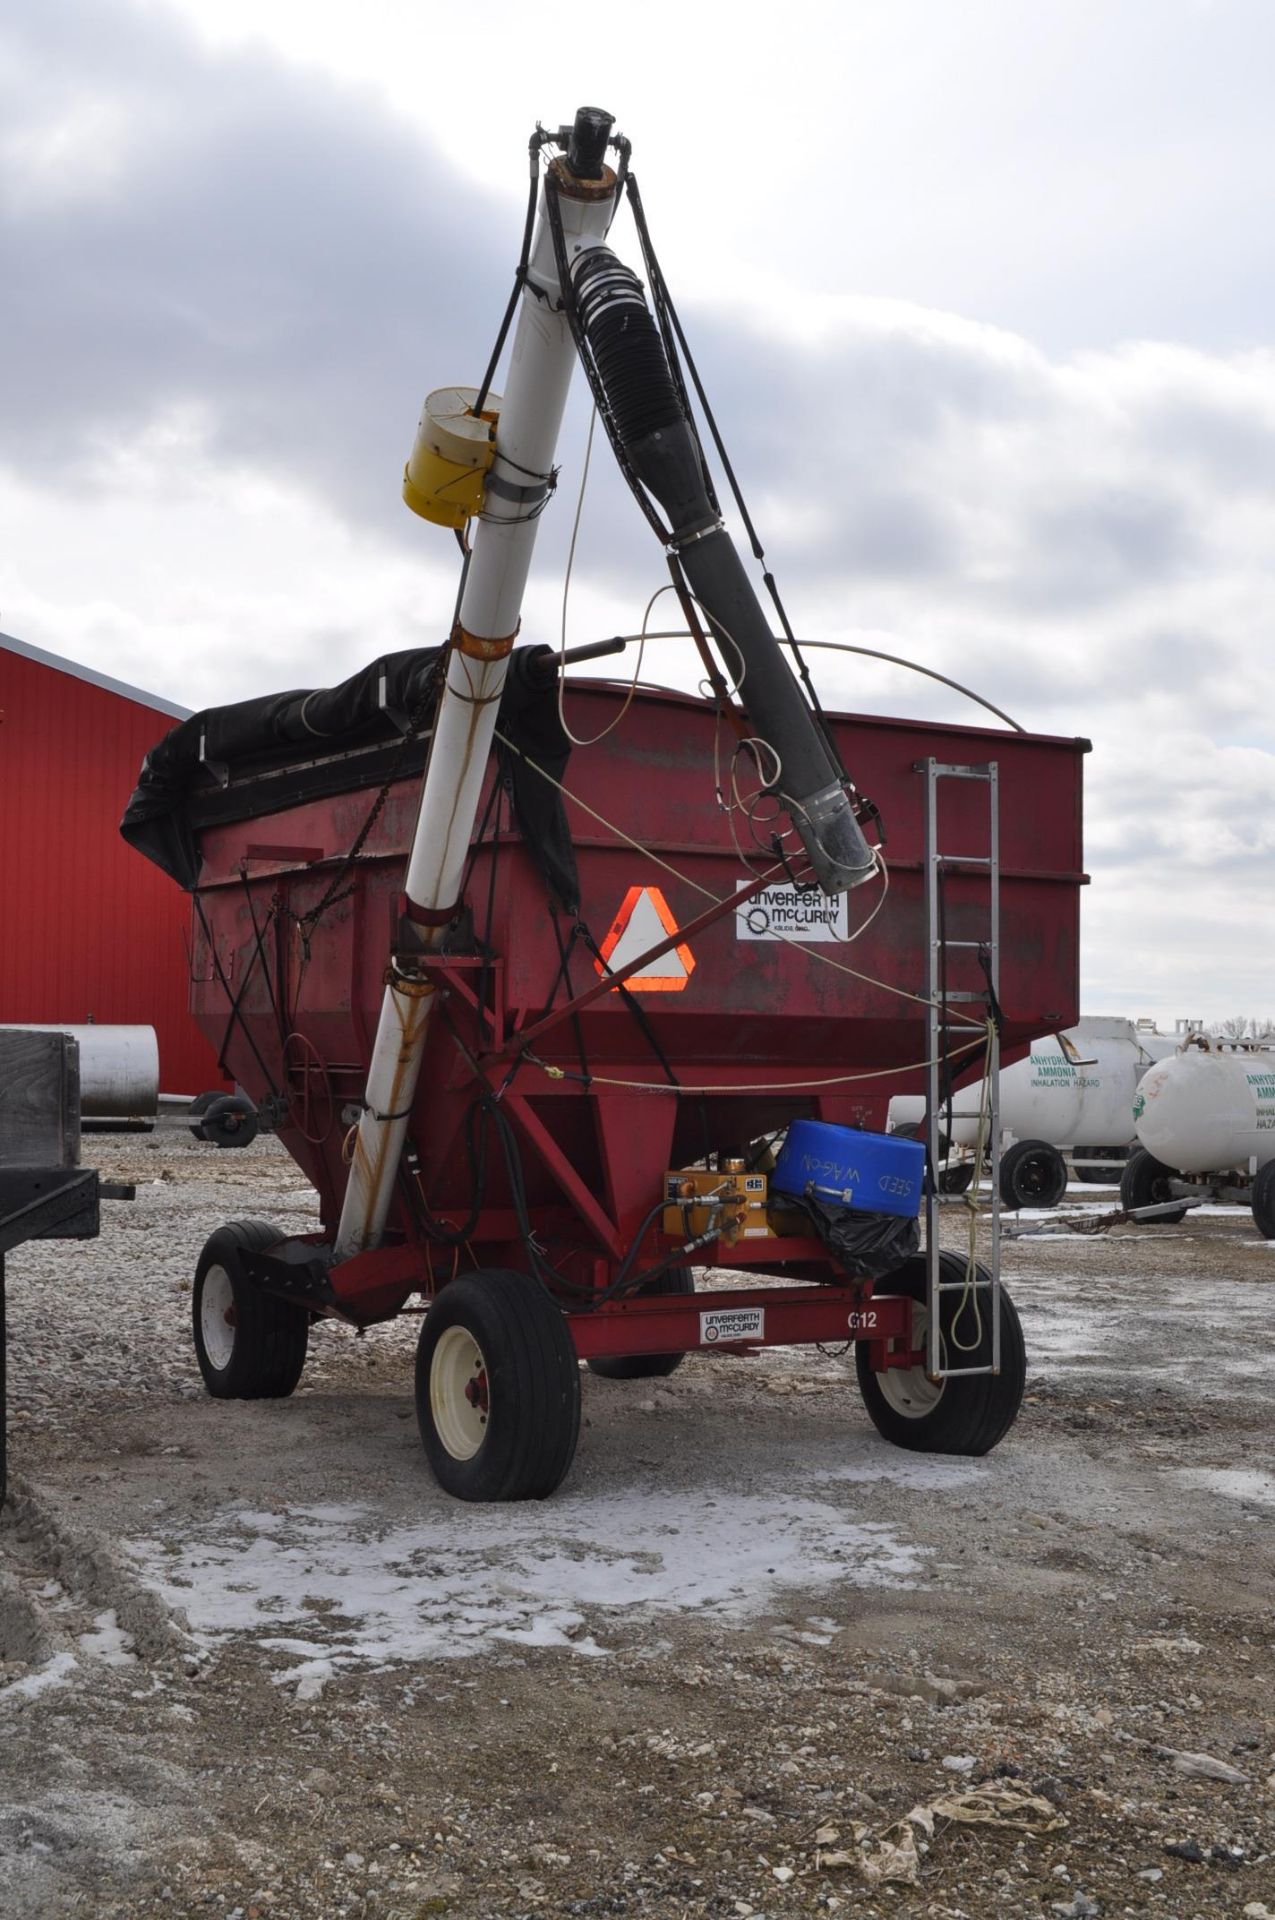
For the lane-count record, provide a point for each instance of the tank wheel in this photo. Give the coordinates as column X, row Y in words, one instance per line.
column 1103, row 1176
column 198, row 1108
column 647, row 1366
column 1263, row 1202
column 1146, row 1182
column 250, row 1344
column 969, row 1415
column 229, row 1120
column 955, row 1176
column 497, row 1388
column 1033, row 1174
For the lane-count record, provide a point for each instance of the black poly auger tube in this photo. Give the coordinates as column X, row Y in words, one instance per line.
column 651, row 423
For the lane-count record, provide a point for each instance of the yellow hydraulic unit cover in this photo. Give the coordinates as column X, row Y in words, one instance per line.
column 696, row 1200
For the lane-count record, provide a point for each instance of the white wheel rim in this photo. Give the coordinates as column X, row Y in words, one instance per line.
column 217, row 1317
column 458, row 1400
column 909, row 1391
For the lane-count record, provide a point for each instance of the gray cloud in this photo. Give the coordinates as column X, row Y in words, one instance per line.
column 281, row 267
column 235, row 237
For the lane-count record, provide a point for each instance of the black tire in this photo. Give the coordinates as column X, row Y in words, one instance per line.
column 1145, row 1182
column 198, row 1108
column 502, row 1334
column 230, row 1120
column 1103, row 1176
column 1033, row 1174
column 955, row 1176
column 647, row 1366
column 268, row 1339
column 966, row 1416
column 1263, row 1201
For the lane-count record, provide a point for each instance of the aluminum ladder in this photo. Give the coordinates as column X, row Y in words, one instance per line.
column 941, row 1029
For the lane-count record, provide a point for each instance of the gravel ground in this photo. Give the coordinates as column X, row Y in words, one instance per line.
column 749, row 1661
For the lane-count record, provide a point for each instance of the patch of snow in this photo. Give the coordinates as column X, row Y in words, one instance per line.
column 473, row 1576
column 1233, row 1483
column 108, row 1642
column 54, row 1673
column 1099, row 1332
column 310, row 1677
column 915, row 1471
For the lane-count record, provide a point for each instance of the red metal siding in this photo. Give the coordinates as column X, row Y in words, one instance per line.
column 88, row 928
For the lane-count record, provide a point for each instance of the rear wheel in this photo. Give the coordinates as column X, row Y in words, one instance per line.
column 1147, row 1182
column 964, row 1415
column 647, row 1366
column 230, row 1120
column 497, row 1388
column 1106, row 1173
column 1033, row 1174
column 1263, row 1202
column 956, row 1176
column 250, row 1344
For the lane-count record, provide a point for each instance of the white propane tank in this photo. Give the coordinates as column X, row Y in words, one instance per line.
column 1051, row 1096
column 119, row 1068
column 1208, row 1110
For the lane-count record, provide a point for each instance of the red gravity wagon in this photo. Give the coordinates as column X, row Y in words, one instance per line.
column 554, row 1031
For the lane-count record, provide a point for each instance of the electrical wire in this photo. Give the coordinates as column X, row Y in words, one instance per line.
column 578, row 740
column 868, row 653
column 821, row 959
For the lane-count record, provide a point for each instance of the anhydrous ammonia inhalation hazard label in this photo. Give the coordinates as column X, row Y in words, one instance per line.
column 790, row 913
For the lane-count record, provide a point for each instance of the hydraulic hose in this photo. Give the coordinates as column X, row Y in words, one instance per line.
column 651, row 422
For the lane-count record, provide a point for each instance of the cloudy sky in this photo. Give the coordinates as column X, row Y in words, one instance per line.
column 983, row 295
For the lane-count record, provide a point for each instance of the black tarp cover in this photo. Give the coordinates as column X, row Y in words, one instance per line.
column 261, row 756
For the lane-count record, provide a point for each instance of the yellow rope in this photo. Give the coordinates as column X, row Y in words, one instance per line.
column 761, row 1086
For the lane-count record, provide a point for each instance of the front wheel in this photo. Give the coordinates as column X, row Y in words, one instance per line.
column 1263, row 1201
column 1033, row 1174
column 251, row 1345
column 497, row 1388
column 968, row 1414
column 1147, row 1182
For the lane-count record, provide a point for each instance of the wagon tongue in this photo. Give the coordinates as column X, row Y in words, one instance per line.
column 654, row 436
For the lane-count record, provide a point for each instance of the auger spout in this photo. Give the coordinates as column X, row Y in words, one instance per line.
column 651, row 423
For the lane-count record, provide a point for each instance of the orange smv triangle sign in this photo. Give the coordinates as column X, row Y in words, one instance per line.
column 645, row 918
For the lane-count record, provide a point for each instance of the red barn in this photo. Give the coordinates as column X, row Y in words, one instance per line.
column 89, row 930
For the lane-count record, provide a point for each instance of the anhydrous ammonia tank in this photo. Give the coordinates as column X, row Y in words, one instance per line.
column 1070, row 1090
column 1083, row 1092
column 1205, row 1110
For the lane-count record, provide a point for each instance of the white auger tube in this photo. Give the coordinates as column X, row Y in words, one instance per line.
column 535, row 395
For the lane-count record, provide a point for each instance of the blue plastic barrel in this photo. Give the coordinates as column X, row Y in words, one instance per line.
column 872, row 1172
